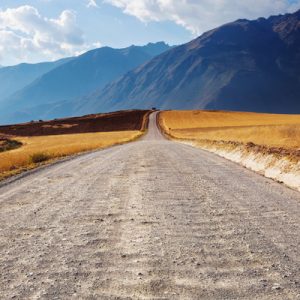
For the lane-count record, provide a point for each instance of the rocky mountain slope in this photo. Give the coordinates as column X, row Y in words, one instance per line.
column 55, row 93
column 244, row 65
column 14, row 78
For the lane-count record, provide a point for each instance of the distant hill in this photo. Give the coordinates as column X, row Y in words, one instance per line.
column 244, row 65
column 54, row 94
column 17, row 77
column 116, row 121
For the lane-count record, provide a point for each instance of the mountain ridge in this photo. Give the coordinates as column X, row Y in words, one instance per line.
column 14, row 78
column 243, row 65
column 52, row 95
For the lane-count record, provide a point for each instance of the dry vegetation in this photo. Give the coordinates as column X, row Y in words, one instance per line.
column 268, row 130
column 28, row 145
column 36, row 150
column 266, row 143
column 7, row 144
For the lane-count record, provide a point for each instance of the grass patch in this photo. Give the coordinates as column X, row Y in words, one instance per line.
column 39, row 157
column 42, row 149
column 269, row 130
column 265, row 143
column 7, row 144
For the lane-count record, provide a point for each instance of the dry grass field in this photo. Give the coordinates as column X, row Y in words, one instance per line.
column 41, row 149
column 270, row 130
column 25, row 146
column 265, row 143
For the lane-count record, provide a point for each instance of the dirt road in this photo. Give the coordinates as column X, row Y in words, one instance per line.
column 153, row 219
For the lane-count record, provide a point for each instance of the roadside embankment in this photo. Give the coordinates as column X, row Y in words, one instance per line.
column 272, row 150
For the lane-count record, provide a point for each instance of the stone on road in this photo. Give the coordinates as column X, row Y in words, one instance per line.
column 152, row 219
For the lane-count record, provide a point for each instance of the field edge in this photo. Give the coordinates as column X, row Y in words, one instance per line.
column 281, row 167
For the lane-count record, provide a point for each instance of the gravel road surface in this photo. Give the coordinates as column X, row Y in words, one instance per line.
column 153, row 219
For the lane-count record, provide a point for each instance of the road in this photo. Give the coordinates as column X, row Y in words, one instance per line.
column 152, row 219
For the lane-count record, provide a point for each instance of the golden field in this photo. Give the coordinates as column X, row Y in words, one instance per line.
column 47, row 148
column 270, row 130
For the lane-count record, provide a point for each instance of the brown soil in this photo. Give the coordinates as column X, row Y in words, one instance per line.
column 116, row 121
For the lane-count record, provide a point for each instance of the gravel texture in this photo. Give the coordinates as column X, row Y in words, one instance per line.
column 153, row 219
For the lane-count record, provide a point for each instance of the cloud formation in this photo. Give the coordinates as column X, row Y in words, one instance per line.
column 201, row 15
column 26, row 35
column 92, row 3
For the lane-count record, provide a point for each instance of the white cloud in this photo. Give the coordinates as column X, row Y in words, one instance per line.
column 201, row 15
column 92, row 3
column 26, row 35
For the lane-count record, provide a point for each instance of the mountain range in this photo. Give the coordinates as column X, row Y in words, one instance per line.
column 15, row 78
column 53, row 93
column 244, row 66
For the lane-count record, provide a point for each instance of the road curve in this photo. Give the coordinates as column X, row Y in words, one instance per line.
column 152, row 219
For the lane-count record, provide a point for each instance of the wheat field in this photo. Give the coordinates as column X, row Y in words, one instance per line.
column 48, row 148
column 271, row 130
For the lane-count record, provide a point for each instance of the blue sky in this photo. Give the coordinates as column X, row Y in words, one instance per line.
column 40, row 30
